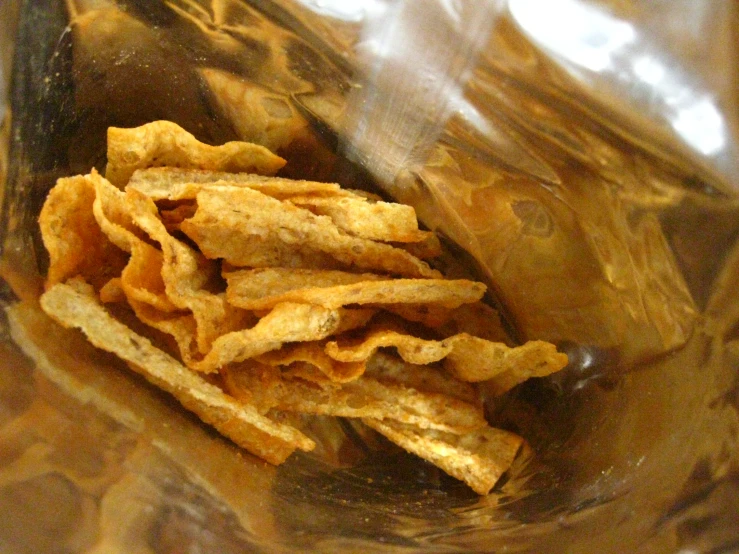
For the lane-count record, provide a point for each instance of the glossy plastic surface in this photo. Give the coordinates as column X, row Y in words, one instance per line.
column 585, row 166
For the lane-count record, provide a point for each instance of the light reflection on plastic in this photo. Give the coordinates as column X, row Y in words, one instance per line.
column 701, row 125
column 650, row 71
column 347, row 10
column 592, row 39
column 580, row 33
column 695, row 118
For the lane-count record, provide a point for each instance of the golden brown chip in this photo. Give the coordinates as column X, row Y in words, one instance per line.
column 313, row 353
column 430, row 315
column 266, row 252
column 173, row 217
column 263, row 288
column 254, row 283
column 500, row 366
column 112, row 292
column 187, row 275
column 478, row 458
column 468, row 358
column 477, row 319
column 383, row 221
column 72, row 237
column 75, row 305
column 141, row 279
column 171, row 183
column 228, row 219
column 182, row 327
column 428, row 247
column 388, row 368
column 112, row 213
column 162, row 143
column 363, row 397
column 285, row 323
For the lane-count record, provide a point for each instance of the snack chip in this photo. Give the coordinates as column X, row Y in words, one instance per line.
column 263, row 288
column 187, row 276
column 221, row 231
column 286, row 322
column 359, row 398
column 375, row 220
column 467, row 357
column 313, row 354
column 289, row 293
column 74, row 305
column 171, row 183
column 73, row 239
column 478, row 458
column 163, row 143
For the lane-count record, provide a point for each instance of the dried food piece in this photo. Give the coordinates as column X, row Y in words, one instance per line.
column 73, row 239
column 466, row 357
column 75, row 305
column 163, row 143
column 287, row 322
column 260, row 289
column 228, row 219
column 478, row 458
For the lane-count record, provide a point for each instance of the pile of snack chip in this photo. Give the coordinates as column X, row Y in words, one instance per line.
column 252, row 298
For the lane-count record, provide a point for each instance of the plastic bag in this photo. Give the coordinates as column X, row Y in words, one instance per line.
column 564, row 166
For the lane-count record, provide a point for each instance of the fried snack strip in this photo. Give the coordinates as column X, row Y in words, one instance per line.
column 72, row 237
column 478, row 458
column 383, row 221
column 313, row 393
column 287, row 322
column 228, row 219
column 466, row 357
column 141, row 279
column 260, row 289
column 313, row 353
column 171, row 183
column 352, row 212
column 74, row 305
column 163, row 143
column 387, row 368
column 186, row 274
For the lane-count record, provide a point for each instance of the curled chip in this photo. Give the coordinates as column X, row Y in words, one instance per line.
column 163, row 143
column 73, row 239
column 478, row 458
column 287, row 322
column 187, row 276
column 313, row 353
column 362, row 397
column 387, row 368
column 261, row 289
column 141, row 279
column 170, row 183
column 428, row 247
column 228, row 219
column 468, row 358
column 383, row 221
column 75, row 305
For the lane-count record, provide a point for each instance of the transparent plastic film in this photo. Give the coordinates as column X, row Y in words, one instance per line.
column 415, row 63
column 578, row 157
